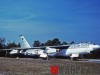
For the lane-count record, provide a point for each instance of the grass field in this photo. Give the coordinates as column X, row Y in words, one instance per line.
column 29, row 66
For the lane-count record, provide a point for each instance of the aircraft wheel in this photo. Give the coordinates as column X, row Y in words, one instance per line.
column 72, row 58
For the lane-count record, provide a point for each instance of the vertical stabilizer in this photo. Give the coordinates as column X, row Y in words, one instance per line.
column 25, row 44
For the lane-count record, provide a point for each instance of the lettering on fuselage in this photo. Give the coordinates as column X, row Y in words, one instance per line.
column 85, row 45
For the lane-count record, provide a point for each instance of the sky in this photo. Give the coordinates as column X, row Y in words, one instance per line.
column 68, row 20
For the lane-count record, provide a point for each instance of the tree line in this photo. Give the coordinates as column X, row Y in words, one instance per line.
column 36, row 43
column 8, row 45
column 53, row 42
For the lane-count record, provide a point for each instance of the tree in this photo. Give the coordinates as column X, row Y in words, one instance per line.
column 19, row 45
column 72, row 42
column 37, row 43
column 12, row 44
column 53, row 42
column 64, row 43
column 48, row 43
column 56, row 41
column 42, row 44
column 2, row 43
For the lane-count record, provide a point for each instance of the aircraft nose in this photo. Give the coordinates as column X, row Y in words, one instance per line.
column 97, row 46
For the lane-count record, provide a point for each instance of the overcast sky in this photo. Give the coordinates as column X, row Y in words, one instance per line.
column 68, row 20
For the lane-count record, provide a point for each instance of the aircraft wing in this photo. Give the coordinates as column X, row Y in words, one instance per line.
column 13, row 48
column 59, row 47
column 43, row 47
column 6, row 49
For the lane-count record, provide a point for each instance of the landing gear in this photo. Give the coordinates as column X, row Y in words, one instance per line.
column 73, row 58
column 48, row 58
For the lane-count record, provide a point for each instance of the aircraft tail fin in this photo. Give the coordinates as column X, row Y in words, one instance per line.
column 25, row 44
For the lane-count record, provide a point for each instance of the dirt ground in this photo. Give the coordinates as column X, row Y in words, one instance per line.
column 30, row 66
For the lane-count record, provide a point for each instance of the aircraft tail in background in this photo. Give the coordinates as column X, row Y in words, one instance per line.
column 25, row 44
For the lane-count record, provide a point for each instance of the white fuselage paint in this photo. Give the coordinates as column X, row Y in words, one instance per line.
column 82, row 48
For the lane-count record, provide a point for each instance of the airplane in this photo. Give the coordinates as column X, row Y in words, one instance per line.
column 73, row 51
